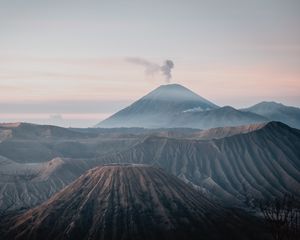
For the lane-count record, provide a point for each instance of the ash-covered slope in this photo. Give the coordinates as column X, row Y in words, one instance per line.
column 26, row 185
column 37, row 161
column 233, row 164
column 260, row 164
column 174, row 106
column 127, row 202
column 277, row 112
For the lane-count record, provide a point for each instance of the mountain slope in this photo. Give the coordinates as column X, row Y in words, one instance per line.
column 26, row 185
column 220, row 117
column 127, row 202
column 277, row 112
column 37, row 161
column 157, row 108
column 174, row 106
column 233, row 164
column 261, row 164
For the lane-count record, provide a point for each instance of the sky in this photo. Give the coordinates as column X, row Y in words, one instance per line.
column 66, row 62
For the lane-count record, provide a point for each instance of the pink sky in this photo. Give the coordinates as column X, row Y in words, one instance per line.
column 70, row 60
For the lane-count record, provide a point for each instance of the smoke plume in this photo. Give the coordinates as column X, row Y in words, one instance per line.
column 166, row 69
column 154, row 68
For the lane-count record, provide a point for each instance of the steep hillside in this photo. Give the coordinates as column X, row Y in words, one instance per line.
column 128, row 202
column 263, row 163
column 26, row 185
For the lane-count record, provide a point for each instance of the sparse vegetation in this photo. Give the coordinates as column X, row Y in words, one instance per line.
column 282, row 217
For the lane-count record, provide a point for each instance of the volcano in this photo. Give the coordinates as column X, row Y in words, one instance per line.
column 158, row 108
column 175, row 106
column 127, row 202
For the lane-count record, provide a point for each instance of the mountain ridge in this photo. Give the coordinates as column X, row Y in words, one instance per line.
column 237, row 165
column 277, row 112
column 223, row 162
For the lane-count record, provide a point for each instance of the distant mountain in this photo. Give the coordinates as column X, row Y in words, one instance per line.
column 220, row 117
column 157, row 109
column 34, row 131
column 31, row 143
column 277, row 112
column 171, row 106
column 128, row 202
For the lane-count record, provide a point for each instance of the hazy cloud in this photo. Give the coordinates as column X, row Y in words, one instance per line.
column 62, row 107
column 56, row 117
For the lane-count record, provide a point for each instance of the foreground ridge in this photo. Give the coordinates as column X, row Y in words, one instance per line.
column 129, row 201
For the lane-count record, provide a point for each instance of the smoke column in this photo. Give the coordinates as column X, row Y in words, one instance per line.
column 166, row 69
column 154, row 68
